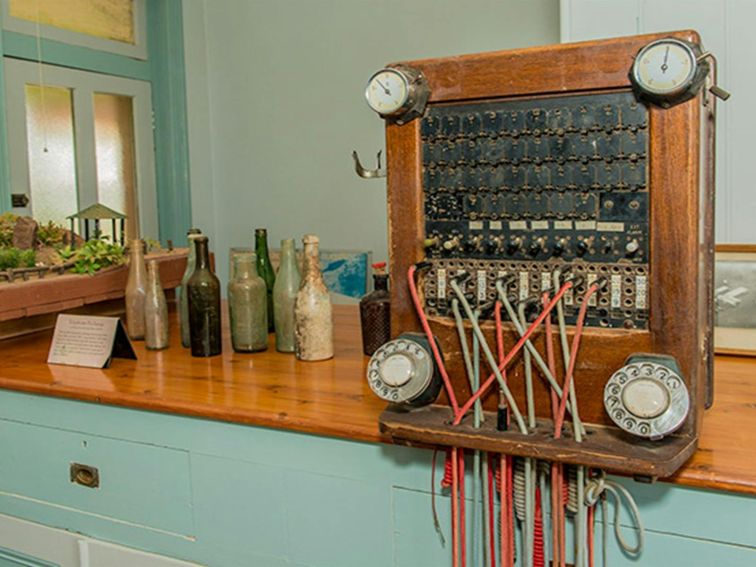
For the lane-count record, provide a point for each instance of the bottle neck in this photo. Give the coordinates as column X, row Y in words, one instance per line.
column 136, row 249
column 261, row 245
column 202, row 253
column 153, row 274
column 245, row 267
column 380, row 282
column 311, row 260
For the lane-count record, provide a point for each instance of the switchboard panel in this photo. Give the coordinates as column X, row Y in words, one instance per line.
column 527, row 187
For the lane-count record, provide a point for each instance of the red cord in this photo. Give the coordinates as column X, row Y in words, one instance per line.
column 512, row 353
column 539, row 557
column 447, row 480
column 573, row 358
column 550, row 359
column 431, row 340
column 491, row 509
column 462, row 525
column 555, row 503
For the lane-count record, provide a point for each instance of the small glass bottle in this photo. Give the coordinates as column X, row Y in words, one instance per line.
column 191, row 257
column 313, row 326
column 248, row 306
column 136, row 290
column 284, row 294
column 265, row 269
column 375, row 312
column 203, row 291
column 155, row 310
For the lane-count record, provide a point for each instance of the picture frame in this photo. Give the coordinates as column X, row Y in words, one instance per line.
column 735, row 299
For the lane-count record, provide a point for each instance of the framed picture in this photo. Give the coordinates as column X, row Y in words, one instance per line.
column 735, row 299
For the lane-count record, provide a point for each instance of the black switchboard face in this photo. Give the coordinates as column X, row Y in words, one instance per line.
column 528, row 187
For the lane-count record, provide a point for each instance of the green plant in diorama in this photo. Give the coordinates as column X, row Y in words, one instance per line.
column 153, row 245
column 7, row 224
column 13, row 258
column 51, row 235
column 93, row 255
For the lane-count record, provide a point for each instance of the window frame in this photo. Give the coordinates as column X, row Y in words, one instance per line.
column 83, row 86
column 164, row 68
column 137, row 50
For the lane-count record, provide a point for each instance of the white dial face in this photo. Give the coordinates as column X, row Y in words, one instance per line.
column 665, row 67
column 387, row 91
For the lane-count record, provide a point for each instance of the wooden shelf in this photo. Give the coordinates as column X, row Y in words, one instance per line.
column 603, row 447
column 332, row 398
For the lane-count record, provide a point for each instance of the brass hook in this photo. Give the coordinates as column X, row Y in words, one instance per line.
column 368, row 173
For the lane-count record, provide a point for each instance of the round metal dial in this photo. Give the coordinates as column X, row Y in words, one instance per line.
column 646, row 399
column 388, row 92
column 400, row 371
column 665, row 68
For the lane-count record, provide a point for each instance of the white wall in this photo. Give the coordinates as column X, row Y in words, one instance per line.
column 726, row 28
column 275, row 101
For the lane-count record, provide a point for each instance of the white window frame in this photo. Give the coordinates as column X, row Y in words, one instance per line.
column 83, row 84
column 137, row 50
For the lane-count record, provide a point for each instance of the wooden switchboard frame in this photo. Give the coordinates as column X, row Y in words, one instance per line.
column 680, row 268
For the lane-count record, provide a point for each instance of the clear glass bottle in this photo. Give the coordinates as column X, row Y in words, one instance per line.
column 155, row 310
column 191, row 234
column 375, row 312
column 265, row 269
column 203, row 291
column 136, row 290
column 284, row 294
column 248, row 306
column 313, row 326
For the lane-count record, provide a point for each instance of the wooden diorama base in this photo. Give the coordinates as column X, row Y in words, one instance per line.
column 603, row 447
column 30, row 306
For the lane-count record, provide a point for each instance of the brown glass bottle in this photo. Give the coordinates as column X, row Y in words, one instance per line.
column 375, row 313
column 203, row 291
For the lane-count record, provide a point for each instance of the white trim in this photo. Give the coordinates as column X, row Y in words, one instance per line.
column 68, row 549
column 137, row 50
column 84, row 85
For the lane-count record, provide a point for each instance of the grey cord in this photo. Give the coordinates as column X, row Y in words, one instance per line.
column 596, row 488
column 490, row 358
column 542, row 366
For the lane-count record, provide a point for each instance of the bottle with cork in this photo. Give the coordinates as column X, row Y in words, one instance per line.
column 313, row 326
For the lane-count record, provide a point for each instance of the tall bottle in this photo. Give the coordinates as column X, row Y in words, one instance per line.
column 203, row 291
column 155, row 310
column 191, row 234
column 265, row 269
column 375, row 312
column 313, row 326
column 284, row 294
column 248, row 306
column 136, row 290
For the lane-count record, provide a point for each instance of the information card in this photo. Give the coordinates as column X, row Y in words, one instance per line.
column 83, row 340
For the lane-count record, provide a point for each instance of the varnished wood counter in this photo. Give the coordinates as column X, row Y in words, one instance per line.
column 332, row 398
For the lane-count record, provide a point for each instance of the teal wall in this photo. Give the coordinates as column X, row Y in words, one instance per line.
column 276, row 106
column 235, row 496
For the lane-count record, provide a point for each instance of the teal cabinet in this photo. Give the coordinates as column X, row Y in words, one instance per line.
column 228, row 495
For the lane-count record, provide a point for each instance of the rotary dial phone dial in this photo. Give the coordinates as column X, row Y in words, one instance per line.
column 403, row 371
column 647, row 398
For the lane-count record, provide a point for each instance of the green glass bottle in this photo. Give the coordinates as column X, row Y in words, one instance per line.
column 191, row 234
column 284, row 294
column 248, row 306
column 265, row 269
column 203, row 291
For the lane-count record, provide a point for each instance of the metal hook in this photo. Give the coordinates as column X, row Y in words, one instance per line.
column 368, row 173
column 714, row 89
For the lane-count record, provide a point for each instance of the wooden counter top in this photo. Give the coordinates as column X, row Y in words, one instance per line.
column 332, row 398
